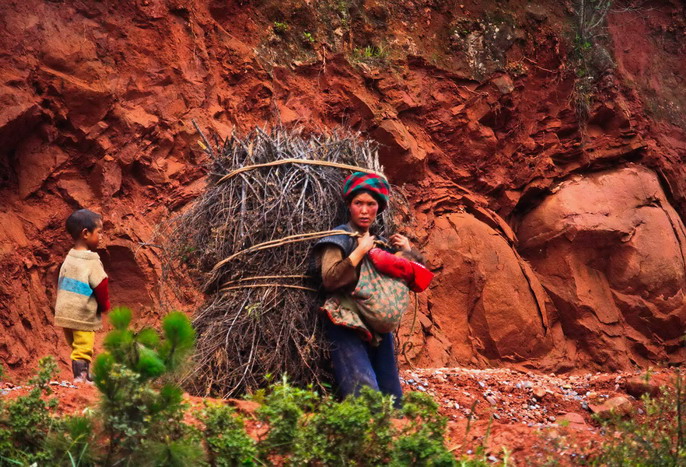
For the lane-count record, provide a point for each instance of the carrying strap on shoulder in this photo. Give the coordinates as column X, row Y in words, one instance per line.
column 345, row 242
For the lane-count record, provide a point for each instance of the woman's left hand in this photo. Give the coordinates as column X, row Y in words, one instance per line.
column 401, row 242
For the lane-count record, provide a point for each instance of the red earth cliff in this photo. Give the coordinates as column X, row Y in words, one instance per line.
column 557, row 235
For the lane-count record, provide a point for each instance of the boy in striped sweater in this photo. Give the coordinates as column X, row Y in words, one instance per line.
column 82, row 291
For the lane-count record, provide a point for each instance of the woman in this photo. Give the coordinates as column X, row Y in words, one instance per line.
column 357, row 360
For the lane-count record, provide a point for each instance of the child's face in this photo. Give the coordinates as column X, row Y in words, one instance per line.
column 92, row 238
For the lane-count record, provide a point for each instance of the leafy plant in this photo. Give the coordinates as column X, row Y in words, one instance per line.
column 283, row 409
column 187, row 253
column 310, row 429
column 74, row 444
column 657, row 440
column 308, row 37
column 227, row 442
column 26, row 421
column 141, row 417
column 143, row 421
column 280, row 27
column 590, row 57
column 421, row 440
column 370, row 53
column 356, row 431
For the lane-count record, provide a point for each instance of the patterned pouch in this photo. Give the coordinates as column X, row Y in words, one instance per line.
column 381, row 300
column 342, row 311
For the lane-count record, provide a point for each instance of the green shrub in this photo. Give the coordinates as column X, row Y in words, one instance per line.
column 74, row 443
column 227, row 442
column 658, row 439
column 420, row 442
column 283, row 410
column 168, row 452
column 141, row 417
column 309, row 429
column 356, row 431
column 26, row 421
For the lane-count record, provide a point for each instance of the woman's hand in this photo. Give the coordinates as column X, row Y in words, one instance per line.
column 401, row 242
column 364, row 244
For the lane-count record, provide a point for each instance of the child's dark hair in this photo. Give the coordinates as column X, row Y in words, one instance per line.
column 413, row 256
column 82, row 219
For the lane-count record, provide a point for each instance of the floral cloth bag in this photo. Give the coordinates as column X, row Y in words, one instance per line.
column 376, row 305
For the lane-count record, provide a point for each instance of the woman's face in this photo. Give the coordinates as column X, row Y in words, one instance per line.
column 363, row 209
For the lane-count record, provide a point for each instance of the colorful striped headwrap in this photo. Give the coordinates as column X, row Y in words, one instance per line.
column 375, row 184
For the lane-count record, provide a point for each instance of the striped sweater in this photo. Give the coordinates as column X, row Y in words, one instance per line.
column 82, row 292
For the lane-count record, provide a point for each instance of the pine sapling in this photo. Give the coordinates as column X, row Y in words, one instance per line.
column 143, row 418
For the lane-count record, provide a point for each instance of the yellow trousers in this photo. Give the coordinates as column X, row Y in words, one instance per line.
column 81, row 342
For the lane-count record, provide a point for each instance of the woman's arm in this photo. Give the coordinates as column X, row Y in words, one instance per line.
column 339, row 272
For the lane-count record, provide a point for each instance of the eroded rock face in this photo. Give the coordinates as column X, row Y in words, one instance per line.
column 609, row 249
column 485, row 305
column 496, row 303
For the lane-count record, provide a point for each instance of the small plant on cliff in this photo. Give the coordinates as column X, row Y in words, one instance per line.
column 280, row 27
column 142, row 416
column 308, row 37
column 517, row 69
column 590, row 57
column 657, row 439
column 26, row 421
column 370, row 54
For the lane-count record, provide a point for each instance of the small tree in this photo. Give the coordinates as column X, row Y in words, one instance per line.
column 142, row 409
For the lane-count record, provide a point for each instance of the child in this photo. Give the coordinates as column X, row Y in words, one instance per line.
column 82, row 291
column 405, row 265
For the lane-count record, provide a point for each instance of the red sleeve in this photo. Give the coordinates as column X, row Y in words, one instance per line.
column 416, row 276
column 421, row 277
column 391, row 265
column 102, row 295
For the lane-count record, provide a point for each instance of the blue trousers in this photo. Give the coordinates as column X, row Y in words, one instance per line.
column 357, row 364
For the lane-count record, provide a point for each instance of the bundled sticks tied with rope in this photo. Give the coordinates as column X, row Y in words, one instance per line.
column 269, row 197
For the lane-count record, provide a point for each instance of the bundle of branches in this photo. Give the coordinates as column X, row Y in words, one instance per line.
column 269, row 197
